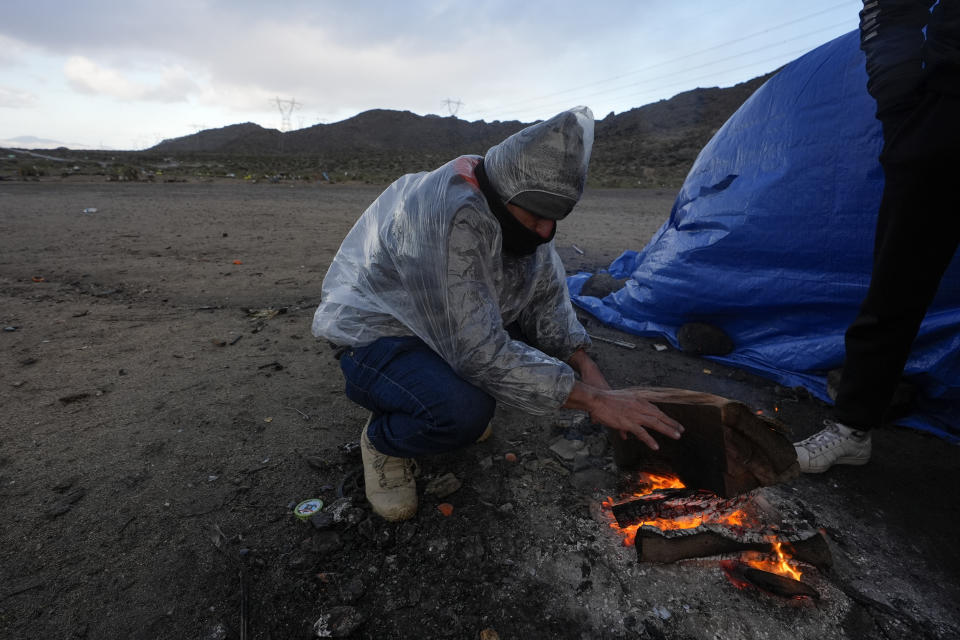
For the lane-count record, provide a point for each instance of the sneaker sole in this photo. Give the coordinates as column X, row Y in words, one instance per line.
column 852, row 462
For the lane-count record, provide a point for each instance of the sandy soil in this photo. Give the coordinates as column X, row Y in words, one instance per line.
column 164, row 405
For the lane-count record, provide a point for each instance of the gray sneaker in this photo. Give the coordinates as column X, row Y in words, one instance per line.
column 391, row 487
column 836, row 444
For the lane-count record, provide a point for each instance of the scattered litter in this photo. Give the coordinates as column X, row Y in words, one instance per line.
column 338, row 622
column 577, row 249
column 264, row 314
column 619, row 343
column 305, row 416
column 90, row 210
column 74, row 397
column 489, row 634
column 268, row 419
column 340, row 508
column 707, row 371
column 235, row 340
column 10, row 328
column 660, row 347
column 38, row 279
column 510, row 457
column 445, row 508
column 307, row 508
column 212, row 478
column 238, row 262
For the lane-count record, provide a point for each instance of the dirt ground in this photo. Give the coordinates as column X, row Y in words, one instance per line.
column 164, row 405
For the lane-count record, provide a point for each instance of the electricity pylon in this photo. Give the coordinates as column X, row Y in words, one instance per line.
column 453, row 106
column 286, row 107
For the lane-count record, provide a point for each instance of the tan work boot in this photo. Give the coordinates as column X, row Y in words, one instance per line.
column 486, row 433
column 390, row 484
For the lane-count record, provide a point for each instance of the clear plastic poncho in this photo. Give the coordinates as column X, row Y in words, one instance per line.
column 425, row 259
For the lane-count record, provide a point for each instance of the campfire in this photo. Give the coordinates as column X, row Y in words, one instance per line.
column 713, row 505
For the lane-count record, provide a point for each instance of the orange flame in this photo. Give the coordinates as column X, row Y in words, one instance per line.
column 779, row 566
column 650, row 482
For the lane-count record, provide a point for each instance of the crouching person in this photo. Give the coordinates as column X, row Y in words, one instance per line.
column 421, row 292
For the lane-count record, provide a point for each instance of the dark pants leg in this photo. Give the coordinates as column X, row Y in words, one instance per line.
column 918, row 228
column 419, row 403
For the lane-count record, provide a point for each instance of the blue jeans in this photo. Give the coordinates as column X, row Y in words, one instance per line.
column 420, row 405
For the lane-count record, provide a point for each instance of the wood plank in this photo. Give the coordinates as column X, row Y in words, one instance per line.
column 726, row 448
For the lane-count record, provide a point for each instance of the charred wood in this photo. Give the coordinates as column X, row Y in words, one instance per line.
column 726, row 448
column 773, row 583
column 663, row 547
column 674, row 504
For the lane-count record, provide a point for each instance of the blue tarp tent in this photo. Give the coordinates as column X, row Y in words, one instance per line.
column 771, row 239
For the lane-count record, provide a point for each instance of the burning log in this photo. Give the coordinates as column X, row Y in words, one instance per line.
column 656, row 545
column 726, row 448
column 774, row 583
column 675, row 504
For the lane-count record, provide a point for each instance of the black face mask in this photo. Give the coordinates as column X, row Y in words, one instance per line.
column 517, row 239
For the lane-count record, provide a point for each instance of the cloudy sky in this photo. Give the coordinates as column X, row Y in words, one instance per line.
column 127, row 74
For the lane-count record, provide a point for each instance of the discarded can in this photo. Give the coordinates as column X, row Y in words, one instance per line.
column 90, row 210
column 307, row 508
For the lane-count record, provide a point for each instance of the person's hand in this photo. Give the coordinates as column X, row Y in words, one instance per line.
column 624, row 410
column 589, row 372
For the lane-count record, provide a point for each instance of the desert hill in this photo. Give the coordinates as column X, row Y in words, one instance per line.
column 653, row 145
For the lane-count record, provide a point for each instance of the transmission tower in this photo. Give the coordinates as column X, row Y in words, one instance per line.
column 198, row 131
column 286, row 107
column 453, row 106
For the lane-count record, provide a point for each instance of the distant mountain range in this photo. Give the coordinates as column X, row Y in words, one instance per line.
column 33, row 142
column 647, row 146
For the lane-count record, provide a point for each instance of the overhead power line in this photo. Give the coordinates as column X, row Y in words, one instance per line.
column 686, row 70
column 512, row 107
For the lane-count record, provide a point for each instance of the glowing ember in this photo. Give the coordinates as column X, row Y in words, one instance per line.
column 650, row 482
column 779, row 566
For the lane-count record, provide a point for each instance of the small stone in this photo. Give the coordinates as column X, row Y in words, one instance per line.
column 581, row 460
column 566, row 449
column 443, row 486
column 323, row 520
column 600, row 285
column 486, row 463
column 704, row 339
column 338, row 622
column 597, row 445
